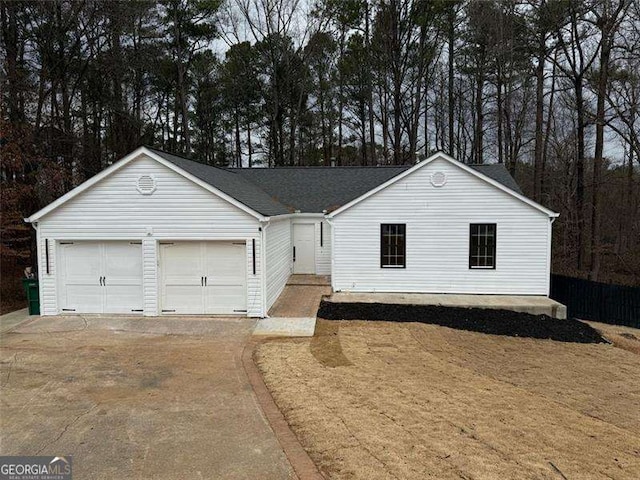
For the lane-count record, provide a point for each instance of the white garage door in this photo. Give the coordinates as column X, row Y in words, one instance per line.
column 203, row 277
column 100, row 277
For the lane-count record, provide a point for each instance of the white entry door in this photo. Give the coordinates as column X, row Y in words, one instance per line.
column 304, row 252
column 100, row 277
column 203, row 277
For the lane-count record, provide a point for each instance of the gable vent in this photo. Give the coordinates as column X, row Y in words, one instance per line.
column 438, row 179
column 146, row 184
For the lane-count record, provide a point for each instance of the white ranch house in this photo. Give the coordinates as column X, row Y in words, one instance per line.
column 157, row 234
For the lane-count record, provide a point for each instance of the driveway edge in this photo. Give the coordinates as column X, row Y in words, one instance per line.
column 302, row 464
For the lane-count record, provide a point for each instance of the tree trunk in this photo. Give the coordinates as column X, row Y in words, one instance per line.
column 372, row 133
column 10, row 40
column 538, row 149
column 479, row 127
column 579, row 169
column 603, row 80
column 238, row 144
column 250, row 148
column 184, row 109
column 547, row 135
column 499, row 111
column 451, row 41
column 323, row 121
column 340, row 100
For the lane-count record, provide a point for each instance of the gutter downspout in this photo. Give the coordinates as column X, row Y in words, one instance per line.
column 550, row 242
column 264, row 224
column 38, row 269
column 333, row 249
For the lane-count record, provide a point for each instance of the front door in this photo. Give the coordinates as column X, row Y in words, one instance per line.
column 304, row 252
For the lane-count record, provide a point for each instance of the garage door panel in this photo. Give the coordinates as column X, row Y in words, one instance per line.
column 123, row 277
column 181, row 267
column 185, row 299
column 82, row 299
column 81, row 263
column 101, row 277
column 184, row 265
column 123, row 299
column 226, row 299
column 123, row 263
column 225, row 267
column 225, row 260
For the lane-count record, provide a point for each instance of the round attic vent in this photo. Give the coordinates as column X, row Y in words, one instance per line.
column 438, row 179
column 146, row 184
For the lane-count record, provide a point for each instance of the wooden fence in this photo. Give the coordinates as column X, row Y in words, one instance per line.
column 601, row 302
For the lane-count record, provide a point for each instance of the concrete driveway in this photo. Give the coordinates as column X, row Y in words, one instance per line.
column 136, row 398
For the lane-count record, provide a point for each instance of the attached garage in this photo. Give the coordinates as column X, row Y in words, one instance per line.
column 100, row 277
column 155, row 234
column 203, row 278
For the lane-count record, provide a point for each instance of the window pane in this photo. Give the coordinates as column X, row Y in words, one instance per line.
column 482, row 245
column 392, row 245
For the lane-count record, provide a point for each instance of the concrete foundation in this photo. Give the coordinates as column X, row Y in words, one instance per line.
column 533, row 304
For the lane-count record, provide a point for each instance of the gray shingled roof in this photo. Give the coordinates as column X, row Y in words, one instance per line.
column 275, row 191
column 500, row 174
column 314, row 189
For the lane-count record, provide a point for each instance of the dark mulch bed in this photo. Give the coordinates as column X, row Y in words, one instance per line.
column 495, row 322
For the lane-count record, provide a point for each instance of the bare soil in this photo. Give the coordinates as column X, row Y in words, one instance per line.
column 378, row 400
column 624, row 337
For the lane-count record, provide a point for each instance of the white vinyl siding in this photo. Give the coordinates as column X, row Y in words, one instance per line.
column 437, row 238
column 278, row 258
column 178, row 209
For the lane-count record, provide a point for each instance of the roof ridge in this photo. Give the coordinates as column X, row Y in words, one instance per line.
column 315, row 167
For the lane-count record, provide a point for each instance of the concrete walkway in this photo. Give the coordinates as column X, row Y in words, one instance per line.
column 161, row 398
column 533, row 304
column 299, row 279
column 301, row 297
column 294, row 312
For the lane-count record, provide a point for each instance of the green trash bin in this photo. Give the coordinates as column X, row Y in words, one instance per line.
column 33, row 296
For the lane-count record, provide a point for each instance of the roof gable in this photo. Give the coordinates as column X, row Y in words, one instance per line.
column 469, row 169
column 125, row 161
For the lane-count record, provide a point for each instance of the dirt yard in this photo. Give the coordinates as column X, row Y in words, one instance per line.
column 378, row 400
